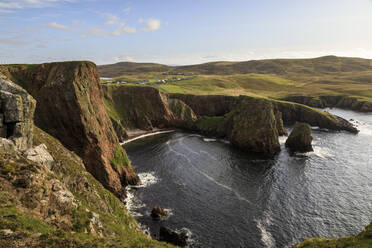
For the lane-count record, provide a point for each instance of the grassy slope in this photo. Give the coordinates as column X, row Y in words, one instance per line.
column 277, row 78
column 362, row 240
column 119, row 228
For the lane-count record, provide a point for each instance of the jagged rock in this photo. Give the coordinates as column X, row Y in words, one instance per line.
column 158, row 212
column 172, row 237
column 71, row 108
column 300, row 138
column 183, row 115
column 7, row 146
column 40, row 154
column 16, row 114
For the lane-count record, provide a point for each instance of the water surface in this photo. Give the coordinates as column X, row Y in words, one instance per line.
column 228, row 198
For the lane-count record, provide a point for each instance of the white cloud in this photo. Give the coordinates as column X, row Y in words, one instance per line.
column 127, row 10
column 23, row 4
column 57, row 26
column 124, row 30
column 151, row 24
column 83, row 36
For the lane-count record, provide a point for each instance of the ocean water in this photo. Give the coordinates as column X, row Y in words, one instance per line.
column 228, row 198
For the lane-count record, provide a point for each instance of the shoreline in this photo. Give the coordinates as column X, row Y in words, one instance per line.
column 146, row 134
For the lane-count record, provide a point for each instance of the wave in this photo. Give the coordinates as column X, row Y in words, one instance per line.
column 266, row 236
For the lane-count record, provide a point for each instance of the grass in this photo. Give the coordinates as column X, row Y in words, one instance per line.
column 120, row 158
column 277, row 78
column 362, row 240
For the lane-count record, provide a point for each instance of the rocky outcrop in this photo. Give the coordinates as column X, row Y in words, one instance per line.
column 300, row 138
column 16, row 114
column 158, row 212
column 253, row 128
column 293, row 112
column 70, row 106
column 172, row 237
column 344, row 102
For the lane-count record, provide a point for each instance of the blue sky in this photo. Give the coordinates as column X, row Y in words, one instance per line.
column 182, row 31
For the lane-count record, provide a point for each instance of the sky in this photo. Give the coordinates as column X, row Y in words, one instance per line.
column 180, row 32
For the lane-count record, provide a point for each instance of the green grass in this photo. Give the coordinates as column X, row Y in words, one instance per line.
column 120, row 158
column 362, row 240
column 275, row 78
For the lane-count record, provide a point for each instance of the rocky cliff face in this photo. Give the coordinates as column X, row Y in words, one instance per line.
column 252, row 126
column 16, row 114
column 249, row 123
column 70, row 106
column 333, row 101
column 292, row 112
column 136, row 107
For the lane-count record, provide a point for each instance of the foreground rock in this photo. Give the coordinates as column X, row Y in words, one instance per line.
column 70, row 106
column 16, row 114
column 158, row 212
column 62, row 205
column 172, row 237
column 300, row 138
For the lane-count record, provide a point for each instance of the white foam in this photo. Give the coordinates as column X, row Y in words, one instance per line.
column 262, row 225
column 146, row 135
column 133, row 204
column 209, row 140
column 321, row 152
column 282, row 139
column 147, row 179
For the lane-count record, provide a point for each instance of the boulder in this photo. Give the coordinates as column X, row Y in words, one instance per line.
column 40, row 154
column 158, row 212
column 173, row 237
column 300, row 138
column 17, row 109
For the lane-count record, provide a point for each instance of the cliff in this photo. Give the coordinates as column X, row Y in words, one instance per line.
column 344, row 102
column 70, row 107
column 137, row 107
column 290, row 112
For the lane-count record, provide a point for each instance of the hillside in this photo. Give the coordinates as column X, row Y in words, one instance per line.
column 349, row 78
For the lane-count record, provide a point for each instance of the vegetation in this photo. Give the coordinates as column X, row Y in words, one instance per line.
column 118, row 227
column 277, row 78
column 362, row 240
column 120, row 158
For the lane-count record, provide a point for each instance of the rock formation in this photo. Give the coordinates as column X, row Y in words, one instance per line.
column 158, row 212
column 300, row 138
column 70, row 106
column 252, row 126
column 343, row 102
column 16, row 115
column 172, row 237
column 249, row 123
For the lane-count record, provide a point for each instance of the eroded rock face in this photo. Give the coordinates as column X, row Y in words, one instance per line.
column 16, row 114
column 70, row 107
column 300, row 138
column 252, row 126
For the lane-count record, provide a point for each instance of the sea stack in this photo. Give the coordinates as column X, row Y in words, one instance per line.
column 300, row 138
